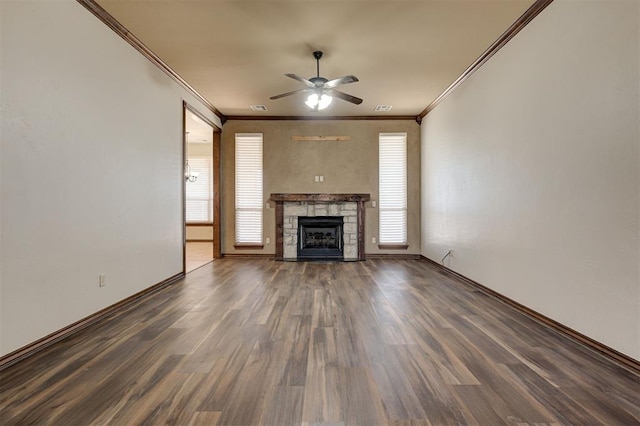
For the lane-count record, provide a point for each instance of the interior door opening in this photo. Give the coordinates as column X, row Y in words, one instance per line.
column 201, row 189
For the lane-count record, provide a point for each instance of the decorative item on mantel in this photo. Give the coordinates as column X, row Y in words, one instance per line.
column 354, row 248
column 320, row 138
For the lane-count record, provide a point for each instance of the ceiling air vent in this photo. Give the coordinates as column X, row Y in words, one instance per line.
column 258, row 107
column 383, row 108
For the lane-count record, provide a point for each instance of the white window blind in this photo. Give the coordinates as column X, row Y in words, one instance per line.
column 393, row 188
column 249, row 188
column 199, row 194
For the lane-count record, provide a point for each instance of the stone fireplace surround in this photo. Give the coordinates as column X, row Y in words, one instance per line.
column 290, row 206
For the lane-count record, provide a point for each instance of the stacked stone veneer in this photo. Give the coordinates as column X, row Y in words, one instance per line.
column 293, row 209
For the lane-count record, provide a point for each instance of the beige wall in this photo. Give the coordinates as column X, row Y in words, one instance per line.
column 199, row 233
column 200, row 150
column 102, row 127
column 347, row 167
column 531, row 171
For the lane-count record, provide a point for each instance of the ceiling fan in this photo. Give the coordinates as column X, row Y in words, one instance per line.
column 322, row 90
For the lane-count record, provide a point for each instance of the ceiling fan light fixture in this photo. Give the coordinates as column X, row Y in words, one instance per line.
column 325, row 101
column 318, row 103
column 312, row 100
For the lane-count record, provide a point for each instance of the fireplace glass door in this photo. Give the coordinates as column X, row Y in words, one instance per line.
column 320, row 237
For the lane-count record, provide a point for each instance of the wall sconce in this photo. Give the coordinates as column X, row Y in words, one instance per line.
column 190, row 176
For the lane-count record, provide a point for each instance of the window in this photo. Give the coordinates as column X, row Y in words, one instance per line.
column 199, row 194
column 393, row 188
column 249, row 188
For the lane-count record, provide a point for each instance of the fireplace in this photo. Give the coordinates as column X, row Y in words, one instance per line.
column 349, row 208
column 320, row 237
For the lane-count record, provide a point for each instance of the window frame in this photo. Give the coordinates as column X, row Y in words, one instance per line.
column 393, row 192
column 246, row 183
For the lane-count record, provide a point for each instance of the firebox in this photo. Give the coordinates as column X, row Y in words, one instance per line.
column 320, row 237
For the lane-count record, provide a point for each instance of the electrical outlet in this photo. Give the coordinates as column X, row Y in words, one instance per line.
column 373, row 240
column 268, row 206
column 373, row 203
column 268, row 240
column 449, row 255
column 102, row 280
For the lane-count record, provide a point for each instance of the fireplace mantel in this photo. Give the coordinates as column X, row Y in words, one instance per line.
column 323, row 198
column 280, row 199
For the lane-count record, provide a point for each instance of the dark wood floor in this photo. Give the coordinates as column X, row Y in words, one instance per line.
column 254, row 341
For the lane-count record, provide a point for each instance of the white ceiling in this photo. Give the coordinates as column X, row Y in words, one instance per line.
column 197, row 130
column 235, row 52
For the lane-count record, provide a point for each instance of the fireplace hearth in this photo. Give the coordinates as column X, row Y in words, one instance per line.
column 320, row 237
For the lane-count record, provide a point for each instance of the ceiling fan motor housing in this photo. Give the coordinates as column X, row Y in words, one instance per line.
column 318, row 81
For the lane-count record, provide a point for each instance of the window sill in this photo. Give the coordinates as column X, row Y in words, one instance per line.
column 248, row 246
column 393, row 246
column 199, row 223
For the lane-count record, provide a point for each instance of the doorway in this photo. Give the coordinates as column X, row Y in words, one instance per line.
column 201, row 190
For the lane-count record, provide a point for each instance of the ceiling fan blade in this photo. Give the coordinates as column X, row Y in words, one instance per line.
column 342, row 80
column 345, row 97
column 301, row 80
column 289, row 93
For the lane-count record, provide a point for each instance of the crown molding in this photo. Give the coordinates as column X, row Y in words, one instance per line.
column 119, row 29
column 514, row 29
column 324, row 117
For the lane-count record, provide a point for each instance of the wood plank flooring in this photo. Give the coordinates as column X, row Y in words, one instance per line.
column 259, row 342
column 197, row 254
